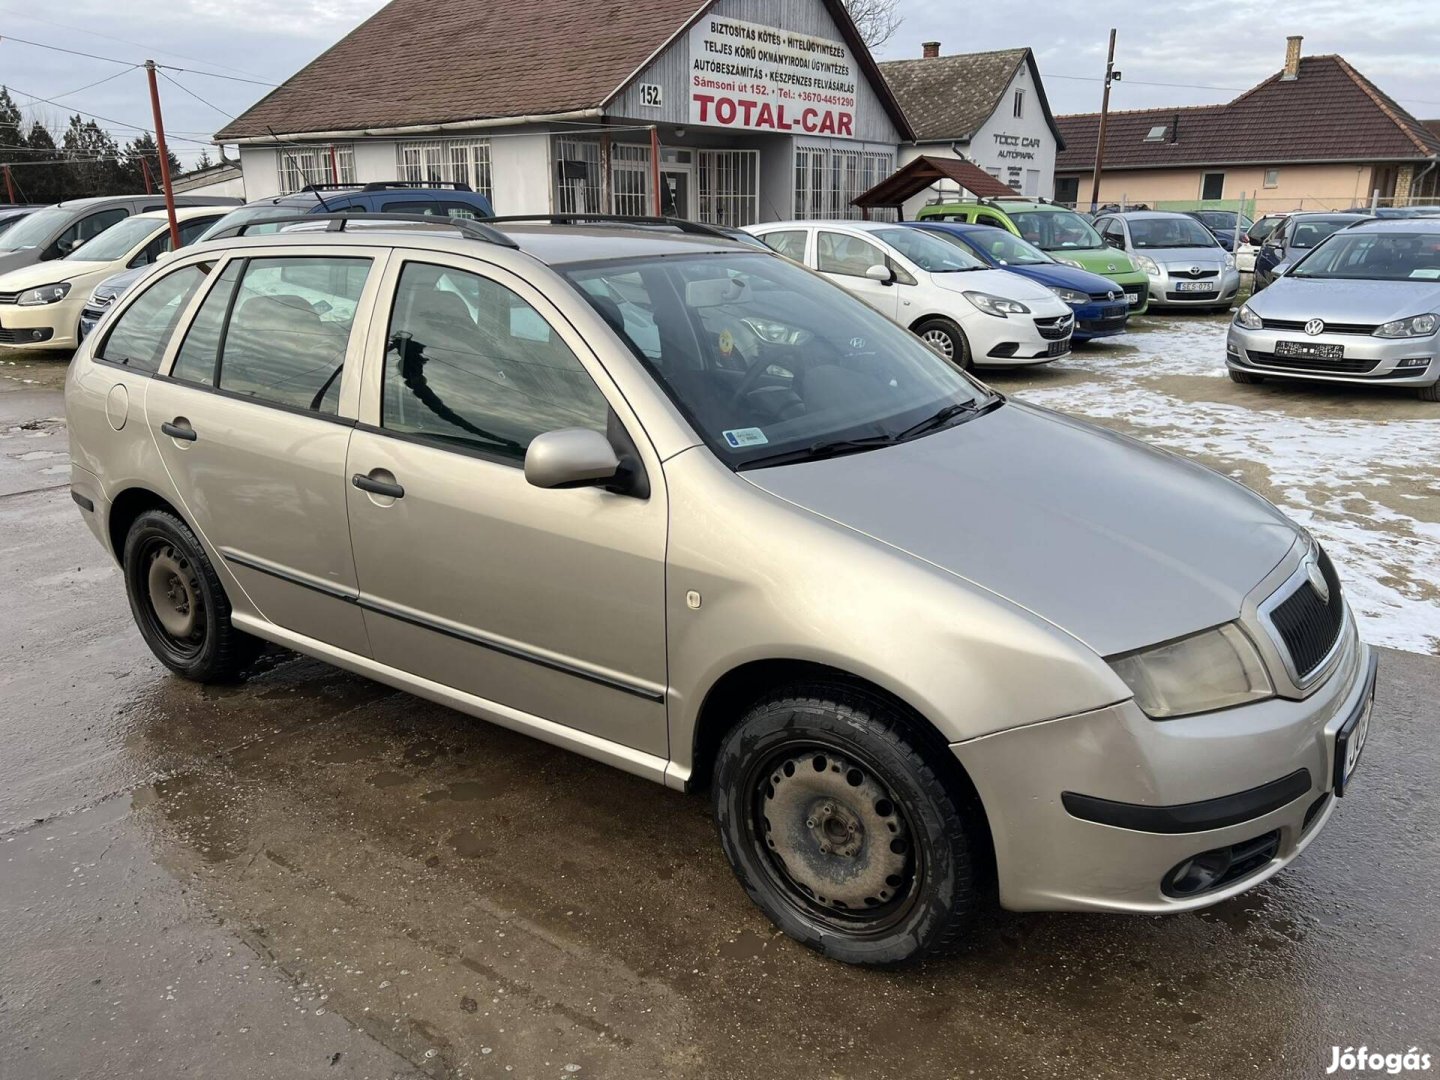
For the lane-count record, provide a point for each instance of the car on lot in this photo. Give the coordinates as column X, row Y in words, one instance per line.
column 1265, row 225
column 918, row 641
column 1063, row 234
column 42, row 306
column 1097, row 302
column 971, row 313
column 1187, row 267
column 1362, row 307
column 429, row 199
column 13, row 215
column 1223, row 225
column 1293, row 237
column 52, row 232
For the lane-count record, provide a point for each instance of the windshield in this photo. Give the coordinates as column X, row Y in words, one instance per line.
column 1176, row 232
column 116, row 241
column 766, row 358
column 1374, row 256
column 35, row 229
column 928, row 253
column 1004, row 247
column 1308, row 232
column 252, row 213
column 1056, row 230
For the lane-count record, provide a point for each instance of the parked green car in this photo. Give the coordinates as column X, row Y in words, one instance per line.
column 1067, row 237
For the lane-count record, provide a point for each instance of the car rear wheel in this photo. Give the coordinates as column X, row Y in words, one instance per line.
column 178, row 602
column 1244, row 377
column 948, row 340
column 840, row 829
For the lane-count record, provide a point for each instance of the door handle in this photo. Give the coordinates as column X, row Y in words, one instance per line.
column 377, row 487
column 179, row 428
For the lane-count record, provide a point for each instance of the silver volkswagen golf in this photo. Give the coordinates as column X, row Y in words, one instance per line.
column 689, row 509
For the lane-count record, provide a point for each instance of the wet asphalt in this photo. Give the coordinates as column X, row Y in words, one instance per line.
column 308, row 874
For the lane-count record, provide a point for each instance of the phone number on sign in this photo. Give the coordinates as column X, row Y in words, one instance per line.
column 826, row 99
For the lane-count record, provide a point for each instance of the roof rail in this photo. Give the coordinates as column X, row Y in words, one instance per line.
column 681, row 224
column 471, row 229
column 327, row 187
column 387, row 185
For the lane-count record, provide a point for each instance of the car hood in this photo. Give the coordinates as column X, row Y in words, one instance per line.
column 48, row 273
column 996, row 282
column 1345, row 301
column 1104, row 261
column 1119, row 544
column 1067, row 277
column 1206, row 258
column 14, row 260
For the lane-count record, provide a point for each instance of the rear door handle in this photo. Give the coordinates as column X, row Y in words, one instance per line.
column 179, row 428
column 377, row 487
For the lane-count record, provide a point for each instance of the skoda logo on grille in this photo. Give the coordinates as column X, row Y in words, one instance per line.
column 1315, row 326
column 1317, row 580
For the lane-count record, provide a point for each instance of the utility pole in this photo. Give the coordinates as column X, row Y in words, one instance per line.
column 164, row 156
column 1111, row 75
column 9, row 186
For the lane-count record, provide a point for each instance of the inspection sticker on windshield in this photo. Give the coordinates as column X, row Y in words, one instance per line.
column 745, row 436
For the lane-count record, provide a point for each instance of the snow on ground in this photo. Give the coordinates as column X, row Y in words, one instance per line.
column 1339, row 475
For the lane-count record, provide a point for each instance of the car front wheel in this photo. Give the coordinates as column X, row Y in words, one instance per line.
column 948, row 340
column 178, row 602
column 841, row 830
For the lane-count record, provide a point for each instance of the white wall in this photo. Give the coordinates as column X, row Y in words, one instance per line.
column 521, row 175
column 261, row 171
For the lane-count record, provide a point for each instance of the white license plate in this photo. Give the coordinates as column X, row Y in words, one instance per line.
column 1132, row 298
column 1195, row 286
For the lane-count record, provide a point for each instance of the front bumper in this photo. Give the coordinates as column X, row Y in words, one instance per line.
column 1367, row 359
column 1095, row 320
column 1132, row 282
column 1165, row 291
column 1020, row 340
column 41, row 326
column 1048, row 859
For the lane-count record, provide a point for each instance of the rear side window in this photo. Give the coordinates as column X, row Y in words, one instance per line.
column 470, row 364
column 138, row 338
column 788, row 242
column 276, row 330
column 435, row 208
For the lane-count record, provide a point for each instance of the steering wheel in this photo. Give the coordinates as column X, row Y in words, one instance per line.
column 750, row 381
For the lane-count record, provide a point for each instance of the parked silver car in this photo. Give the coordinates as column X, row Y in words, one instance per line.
column 1186, row 265
column 1361, row 307
column 914, row 638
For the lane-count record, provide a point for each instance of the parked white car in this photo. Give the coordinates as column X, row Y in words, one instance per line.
column 971, row 313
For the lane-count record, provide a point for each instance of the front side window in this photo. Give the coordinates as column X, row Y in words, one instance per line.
column 470, row 365
column 765, row 358
column 788, row 242
column 138, row 338
column 1176, row 232
column 840, row 253
column 1373, row 256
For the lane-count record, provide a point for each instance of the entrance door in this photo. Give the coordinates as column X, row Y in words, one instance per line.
column 675, row 192
column 549, row 603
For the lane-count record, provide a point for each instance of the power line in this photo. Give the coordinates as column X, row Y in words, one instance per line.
column 97, row 82
column 97, row 116
column 196, row 96
column 131, row 63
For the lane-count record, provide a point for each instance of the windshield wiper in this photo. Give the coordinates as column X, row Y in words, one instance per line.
column 821, row 450
column 945, row 415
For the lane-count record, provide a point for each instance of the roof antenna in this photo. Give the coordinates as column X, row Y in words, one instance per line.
column 299, row 171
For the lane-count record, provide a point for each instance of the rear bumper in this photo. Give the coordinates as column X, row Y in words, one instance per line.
column 1253, row 778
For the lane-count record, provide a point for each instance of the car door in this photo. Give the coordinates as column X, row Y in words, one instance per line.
column 844, row 258
column 540, row 603
column 253, row 419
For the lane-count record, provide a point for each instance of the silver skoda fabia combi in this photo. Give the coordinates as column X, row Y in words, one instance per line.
column 687, row 508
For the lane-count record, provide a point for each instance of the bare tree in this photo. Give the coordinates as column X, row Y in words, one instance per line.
column 877, row 20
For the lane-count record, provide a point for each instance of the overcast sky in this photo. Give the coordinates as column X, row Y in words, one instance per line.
column 1214, row 47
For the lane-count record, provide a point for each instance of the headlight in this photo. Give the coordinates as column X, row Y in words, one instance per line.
column 1415, row 326
column 1229, row 262
column 1248, row 319
column 773, row 332
column 1071, row 296
column 1067, row 262
column 44, row 294
column 996, row 305
column 1149, row 265
column 1215, row 669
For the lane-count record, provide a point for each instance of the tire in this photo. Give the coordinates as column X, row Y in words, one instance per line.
column 1429, row 393
column 814, row 775
column 179, row 604
column 1244, row 377
column 947, row 339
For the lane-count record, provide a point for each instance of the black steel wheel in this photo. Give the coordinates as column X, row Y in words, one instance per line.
column 840, row 829
column 178, row 602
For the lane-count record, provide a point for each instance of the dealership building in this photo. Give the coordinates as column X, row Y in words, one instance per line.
column 731, row 112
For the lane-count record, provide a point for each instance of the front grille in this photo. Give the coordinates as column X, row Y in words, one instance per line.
column 1312, row 363
column 1189, row 276
column 1054, row 328
column 1107, row 297
column 1330, row 328
column 1308, row 624
column 9, row 297
column 1141, row 291
column 1109, row 322
column 1209, row 295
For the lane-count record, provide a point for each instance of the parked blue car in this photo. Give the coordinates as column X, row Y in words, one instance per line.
column 387, row 197
column 1098, row 303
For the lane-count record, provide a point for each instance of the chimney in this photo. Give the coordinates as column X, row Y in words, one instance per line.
column 1292, row 57
column 930, row 49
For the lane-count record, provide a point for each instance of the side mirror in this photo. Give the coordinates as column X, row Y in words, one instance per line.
column 571, row 457
column 1113, row 241
column 161, row 256
column 881, row 273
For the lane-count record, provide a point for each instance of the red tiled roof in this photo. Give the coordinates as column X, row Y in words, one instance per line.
column 919, row 174
column 1329, row 113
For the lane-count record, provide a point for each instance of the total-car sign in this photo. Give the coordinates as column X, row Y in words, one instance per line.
column 744, row 75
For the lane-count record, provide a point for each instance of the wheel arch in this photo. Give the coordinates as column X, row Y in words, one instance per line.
column 128, row 505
